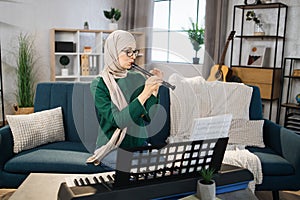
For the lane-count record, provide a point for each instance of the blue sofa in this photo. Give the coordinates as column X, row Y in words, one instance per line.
column 280, row 158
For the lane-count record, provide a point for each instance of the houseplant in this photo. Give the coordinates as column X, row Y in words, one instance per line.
column 26, row 78
column 196, row 36
column 258, row 25
column 113, row 15
column 206, row 187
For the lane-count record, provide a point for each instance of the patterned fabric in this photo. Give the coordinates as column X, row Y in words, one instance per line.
column 246, row 132
column 35, row 129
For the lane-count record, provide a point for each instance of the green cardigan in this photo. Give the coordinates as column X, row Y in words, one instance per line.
column 133, row 116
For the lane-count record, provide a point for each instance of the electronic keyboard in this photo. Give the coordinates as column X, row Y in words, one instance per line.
column 153, row 173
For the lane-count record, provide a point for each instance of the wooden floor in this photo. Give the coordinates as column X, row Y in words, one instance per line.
column 284, row 195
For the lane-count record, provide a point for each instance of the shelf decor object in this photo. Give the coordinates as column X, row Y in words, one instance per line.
column 298, row 99
column 64, row 61
column 257, row 58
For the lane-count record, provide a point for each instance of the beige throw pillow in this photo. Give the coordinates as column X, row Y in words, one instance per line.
column 246, row 132
column 35, row 129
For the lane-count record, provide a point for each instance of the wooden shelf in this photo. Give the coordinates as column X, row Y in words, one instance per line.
column 291, row 105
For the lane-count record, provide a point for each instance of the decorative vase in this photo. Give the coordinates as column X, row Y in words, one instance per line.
column 259, row 29
column 113, row 26
column 206, row 191
column 64, row 72
column 196, row 60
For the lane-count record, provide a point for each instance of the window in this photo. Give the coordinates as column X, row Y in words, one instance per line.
column 170, row 42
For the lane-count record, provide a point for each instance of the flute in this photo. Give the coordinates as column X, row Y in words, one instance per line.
column 135, row 66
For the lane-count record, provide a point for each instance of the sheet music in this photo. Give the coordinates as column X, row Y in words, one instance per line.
column 211, row 127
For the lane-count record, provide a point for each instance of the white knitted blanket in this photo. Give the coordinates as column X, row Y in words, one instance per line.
column 195, row 98
column 241, row 157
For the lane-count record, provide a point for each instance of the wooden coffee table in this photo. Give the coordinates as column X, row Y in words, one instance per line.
column 45, row 186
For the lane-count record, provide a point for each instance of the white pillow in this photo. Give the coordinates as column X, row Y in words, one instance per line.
column 246, row 132
column 35, row 129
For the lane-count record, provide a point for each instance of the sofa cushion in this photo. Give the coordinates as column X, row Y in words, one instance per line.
column 61, row 157
column 272, row 163
column 35, row 129
column 246, row 132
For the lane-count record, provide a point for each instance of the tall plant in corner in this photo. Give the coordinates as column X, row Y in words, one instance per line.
column 26, row 78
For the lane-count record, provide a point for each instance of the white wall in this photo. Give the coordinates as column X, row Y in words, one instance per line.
column 37, row 17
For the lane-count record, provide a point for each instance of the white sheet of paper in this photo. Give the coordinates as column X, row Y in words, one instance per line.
column 211, row 127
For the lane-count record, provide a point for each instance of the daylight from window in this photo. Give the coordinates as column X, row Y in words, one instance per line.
column 172, row 19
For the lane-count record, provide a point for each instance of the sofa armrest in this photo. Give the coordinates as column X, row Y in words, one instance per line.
column 6, row 145
column 283, row 141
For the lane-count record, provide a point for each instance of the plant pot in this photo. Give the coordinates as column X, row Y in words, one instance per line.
column 206, row 191
column 64, row 72
column 22, row 110
column 113, row 26
column 196, row 60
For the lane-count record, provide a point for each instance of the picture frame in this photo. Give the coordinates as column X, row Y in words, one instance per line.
column 257, row 56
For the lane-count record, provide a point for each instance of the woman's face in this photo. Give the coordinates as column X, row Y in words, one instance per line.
column 127, row 57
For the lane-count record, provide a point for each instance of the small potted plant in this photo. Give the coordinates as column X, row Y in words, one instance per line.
column 196, row 36
column 113, row 15
column 258, row 26
column 86, row 25
column 206, row 187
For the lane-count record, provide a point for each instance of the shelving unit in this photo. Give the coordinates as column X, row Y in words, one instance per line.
column 71, row 43
column 266, row 77
column 1, row 92
column 289, row 91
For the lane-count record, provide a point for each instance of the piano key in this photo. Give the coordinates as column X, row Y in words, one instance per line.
column 81, row 181
column 87, row 181
column 76, row 182
column 110, row 178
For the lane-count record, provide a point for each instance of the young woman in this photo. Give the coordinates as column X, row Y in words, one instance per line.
column 122, row 97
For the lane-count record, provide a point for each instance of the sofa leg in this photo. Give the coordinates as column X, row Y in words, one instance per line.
column 275, row 195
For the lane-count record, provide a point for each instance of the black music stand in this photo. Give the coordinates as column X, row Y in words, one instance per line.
column 175, row 161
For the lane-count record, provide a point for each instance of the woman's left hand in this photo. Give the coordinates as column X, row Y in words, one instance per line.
column 157, row 72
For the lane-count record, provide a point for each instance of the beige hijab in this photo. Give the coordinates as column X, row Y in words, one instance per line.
column 114, row 44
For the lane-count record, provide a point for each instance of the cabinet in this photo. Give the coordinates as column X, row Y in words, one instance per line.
column 290, row 88
column 267, row 48
column 77, row 54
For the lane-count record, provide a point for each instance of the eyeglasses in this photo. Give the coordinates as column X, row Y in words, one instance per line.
column 130, row 52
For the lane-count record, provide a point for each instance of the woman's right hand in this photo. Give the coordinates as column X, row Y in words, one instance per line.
column 151, row 87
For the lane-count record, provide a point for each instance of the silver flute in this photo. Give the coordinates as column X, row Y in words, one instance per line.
column 166, row 84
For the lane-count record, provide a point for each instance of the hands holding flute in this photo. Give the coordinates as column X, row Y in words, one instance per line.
column 152, row 85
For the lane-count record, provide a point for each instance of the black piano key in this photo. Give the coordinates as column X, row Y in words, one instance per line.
column 76, row 182
column 81, row 181
column 87, row 181
column 101, row 179
column 96, row 180
column 110, row 178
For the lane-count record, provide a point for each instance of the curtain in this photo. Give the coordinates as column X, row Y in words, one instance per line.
column 215, row 32
column 139, row 17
